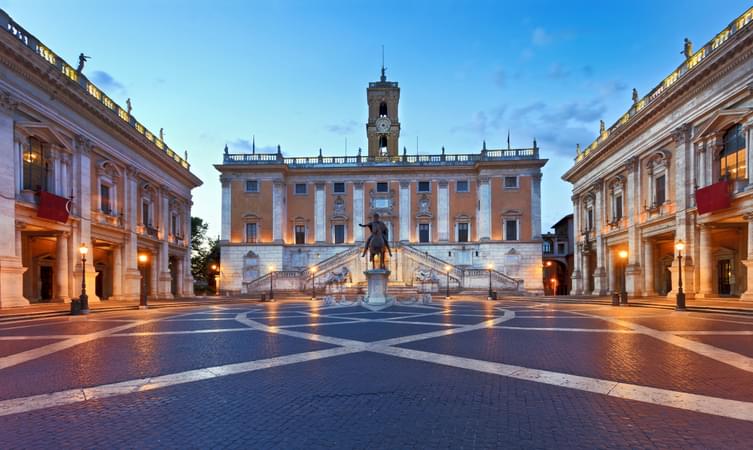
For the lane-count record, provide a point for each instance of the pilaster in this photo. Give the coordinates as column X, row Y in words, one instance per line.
column 226, row 208
column 484, row 198
column 405, row 211
column 443, row 212
column 358, row 211
column 320, row 211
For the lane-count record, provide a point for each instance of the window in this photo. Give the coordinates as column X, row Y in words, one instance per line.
column 338, row 188
column 617, row 207
column 174, row 224
column 105, row 202
column 339, row 233
column 589, row 219
column 660, row 186
column 36, row 165
column 383, row 109
column 383, row 145
column 252, row 186
column 511, row 182
column 511, row 230
column 146, row 209
column 300, row 234
column 301, row 189
column 424, row 186
column 462, row 232
column 733, row 163
column 547, row 247
column 382, row 187
column 461, row 186
column 561, row 250
column 423, row 232
column 251, row 233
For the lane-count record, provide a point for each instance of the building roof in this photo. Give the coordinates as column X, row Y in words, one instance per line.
column 564, row 219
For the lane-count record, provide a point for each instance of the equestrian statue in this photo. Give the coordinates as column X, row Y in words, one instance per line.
column 377, row 244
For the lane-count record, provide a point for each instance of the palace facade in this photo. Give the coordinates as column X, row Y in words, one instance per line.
column 674, row 169
column 460, row 218
column 79, row 170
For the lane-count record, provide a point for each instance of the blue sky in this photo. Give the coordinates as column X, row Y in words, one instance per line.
column 295, row 73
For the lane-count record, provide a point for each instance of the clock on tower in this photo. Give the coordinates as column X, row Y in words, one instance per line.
column 383, row 127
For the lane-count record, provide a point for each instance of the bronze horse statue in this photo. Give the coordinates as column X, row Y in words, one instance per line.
column 378, row 242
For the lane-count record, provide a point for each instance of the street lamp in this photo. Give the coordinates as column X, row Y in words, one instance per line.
column 447, row 287
column 143, row 259
column 548, row 265
column 215, row 276
column 680, row 246
column 623, row 254
column 313, row 283
column 271, row 278
column 490, row 295
column 84, row 298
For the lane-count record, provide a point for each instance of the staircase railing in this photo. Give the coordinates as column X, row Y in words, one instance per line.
column 434, row 262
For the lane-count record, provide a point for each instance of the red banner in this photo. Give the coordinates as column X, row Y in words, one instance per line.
column 53, row 207
column 712, row 198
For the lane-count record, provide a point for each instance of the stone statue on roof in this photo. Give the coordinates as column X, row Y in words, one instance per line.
column 602, row 127
column 128, row 106
column 688, row 48
column 226, row 150
column 161, row 134
column 81, row 61
column 635, row 96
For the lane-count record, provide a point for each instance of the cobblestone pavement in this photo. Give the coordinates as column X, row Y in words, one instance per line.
column 471, row 374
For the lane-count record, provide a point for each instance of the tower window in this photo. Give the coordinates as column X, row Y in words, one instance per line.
column 383, row 109
column 383, row 145
column 252, row 186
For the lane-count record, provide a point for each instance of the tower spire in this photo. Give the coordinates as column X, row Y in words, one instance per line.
column 383, row 77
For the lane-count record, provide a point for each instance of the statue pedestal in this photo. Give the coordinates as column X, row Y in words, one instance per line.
column 376, row 280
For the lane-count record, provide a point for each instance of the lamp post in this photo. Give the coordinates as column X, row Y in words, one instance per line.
column 548, row 265
column 215, row 277
column 271, row 279
column 447, row 286
column 84, row 298
column 680, row 246
column 490, row 295
column 313, row 283
column 143, row 259
column 623, row 254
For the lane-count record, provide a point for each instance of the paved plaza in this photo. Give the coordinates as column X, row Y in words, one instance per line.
column 303, row 375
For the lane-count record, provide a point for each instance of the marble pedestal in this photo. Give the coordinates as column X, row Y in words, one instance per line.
column 376, row 280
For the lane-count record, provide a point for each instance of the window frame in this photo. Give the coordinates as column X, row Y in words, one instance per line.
column 467, row 186
column 516, row 221
column 517, row 182
column 467, row 232
column 334, row 187
column 252, row 191
column 30, row 172
column 303, row 233
column 344, row 233
column 663, row 190
column 423, row 191
column 305, row 189
column 421, row 227
column 248, row 239
column 385, row 184
column 727, row 154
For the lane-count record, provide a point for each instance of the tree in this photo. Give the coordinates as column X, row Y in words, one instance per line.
column 204, row 252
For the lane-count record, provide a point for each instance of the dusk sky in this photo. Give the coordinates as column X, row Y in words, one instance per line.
column 295, row 73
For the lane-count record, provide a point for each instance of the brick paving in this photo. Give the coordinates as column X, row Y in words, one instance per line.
column 365, row 399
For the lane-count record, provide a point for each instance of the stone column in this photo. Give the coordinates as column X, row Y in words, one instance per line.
column 226, row 208
column 279, row 208
column 702, row 181
column 11, row 268
column 443, row 212
column 61, row 269
column 358, row 211
column 132, row 279
column 633, row 277
column 536, row 206
column 705, row 288
column 485, row 203
column 165, row 277
column 320, row 213
column 600, row 282
column 405, row 211
column 83, row 179
column 117, row 273
column 576, row 287
column 748, row 262
column 648, row 268
column 613, row 271
column 586, row 271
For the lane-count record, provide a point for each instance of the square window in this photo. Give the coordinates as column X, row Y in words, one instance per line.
column 462, row 232
column 251, row 232
column 300, row 234
column 462, row 186
column 424, row 186
column 561, row 250
column 338, row 188
column 511, row 230
column 301, row 188
column 252, row 186
column 423, row 232
column 382, row 187
column 339, row 234
column 511, row 182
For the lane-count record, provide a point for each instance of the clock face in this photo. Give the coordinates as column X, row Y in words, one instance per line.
column 383, row 124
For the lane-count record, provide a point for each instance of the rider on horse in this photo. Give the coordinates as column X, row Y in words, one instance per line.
column 377, row 228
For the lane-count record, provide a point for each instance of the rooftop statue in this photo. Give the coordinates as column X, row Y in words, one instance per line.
column 128, row 106
column 81, row 61
column 635, row 96
column 602, row 127
column 161, row 134
column 688, row 48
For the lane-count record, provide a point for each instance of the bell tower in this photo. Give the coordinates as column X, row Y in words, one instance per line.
column 383, row 127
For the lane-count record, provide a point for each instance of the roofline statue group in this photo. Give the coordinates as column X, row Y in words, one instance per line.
column 378, row 242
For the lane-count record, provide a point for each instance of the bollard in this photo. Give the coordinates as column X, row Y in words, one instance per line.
column 615, row 298
column 75, row 307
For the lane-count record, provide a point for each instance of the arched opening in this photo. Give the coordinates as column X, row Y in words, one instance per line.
column 383, row 145
column 383, row 109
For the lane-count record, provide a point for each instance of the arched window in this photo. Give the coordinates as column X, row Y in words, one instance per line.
column 732, row 159
column 383, row 145
column 383, row 109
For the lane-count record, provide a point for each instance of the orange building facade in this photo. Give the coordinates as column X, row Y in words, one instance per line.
column 470, row 214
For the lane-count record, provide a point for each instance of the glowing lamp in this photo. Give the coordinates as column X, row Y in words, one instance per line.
column 143, row 258
column 83, row 249
column 623, row 254
column 680, row 245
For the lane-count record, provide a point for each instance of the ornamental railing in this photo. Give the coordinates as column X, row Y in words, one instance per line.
column 400, row 160
column 28, row 40
column 686, row 67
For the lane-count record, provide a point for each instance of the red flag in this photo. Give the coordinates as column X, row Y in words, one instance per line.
column 713, row 197
column 53, row 207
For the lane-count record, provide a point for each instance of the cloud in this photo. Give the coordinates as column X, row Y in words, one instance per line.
column 540, row 37
column 558, row 72
column 241, row 145
column 344, row 128
column 500, row 78
column 483, row 122
column 576, row 112
column 106, row 82
column 587, row 71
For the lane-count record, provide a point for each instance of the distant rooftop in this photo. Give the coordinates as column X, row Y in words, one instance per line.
column 45, row 53
column 688, row 65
